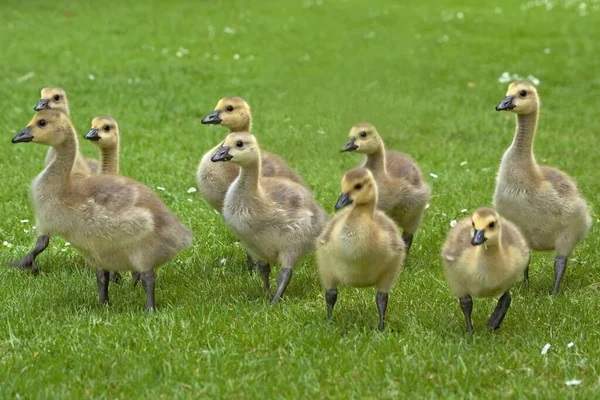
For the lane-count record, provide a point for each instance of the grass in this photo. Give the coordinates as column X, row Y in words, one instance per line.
column 310, row 69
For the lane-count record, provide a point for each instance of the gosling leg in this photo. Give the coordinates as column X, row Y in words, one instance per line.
column 407, row 238
column 102, row 281
column 466, row 305
column 500, row 311
column 560, row 265
column 265, row 270
column 28, row 262
column 526, row 272
column 382, row 300
column 115, row 277
column 283, row 280
column 330, row 298
column 148, row 279
column 250, row 264
column 135, row 278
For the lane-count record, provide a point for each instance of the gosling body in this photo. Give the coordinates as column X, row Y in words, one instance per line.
column 277, row 220
column 360, row 246
column 483, row 256
column 116, row 223
column 542, row 201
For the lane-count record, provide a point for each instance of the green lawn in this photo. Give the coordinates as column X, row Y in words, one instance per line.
column 427, row 75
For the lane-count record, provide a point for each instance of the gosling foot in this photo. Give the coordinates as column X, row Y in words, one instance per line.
column 466, row 305
column 560, row 265
column 102, row 279
column 283, row 280
column 500, row 311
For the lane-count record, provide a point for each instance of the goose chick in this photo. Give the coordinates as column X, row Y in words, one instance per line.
column 55, row 98
column 277, row 220
column 542, row 201
column 361, row 246
column 483, row 256
column 104, row 133
column 115, row 222
column 214, row 179
column 403, row 194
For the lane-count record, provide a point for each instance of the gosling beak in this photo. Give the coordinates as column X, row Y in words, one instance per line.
column 343, row 201
column 222, row 155
column 92, row 135
column 212, row 118
column 506, row 104
column 350, row 146
column 478, row 237
column 24, row 136
column 41, row 105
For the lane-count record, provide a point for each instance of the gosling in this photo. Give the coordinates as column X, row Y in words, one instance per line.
column 483, row 256
column 115, row 222
column 403, row 194
column 277, row 220
column 361, row 246
column 542, row 201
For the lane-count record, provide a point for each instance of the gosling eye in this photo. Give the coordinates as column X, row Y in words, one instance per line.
column 106, row 128
column 363, row 134
column 57, row 98
column 473, row 223
column 492, row 225
column 229, row 108
column 41, row 123
column 358, row 186
column 523, row 93
column 239, row 144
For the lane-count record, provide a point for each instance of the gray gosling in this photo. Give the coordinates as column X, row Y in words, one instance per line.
column 115, row 222
column 54, row 98
column 277, row 220
column 214, row 179
column 542, row 201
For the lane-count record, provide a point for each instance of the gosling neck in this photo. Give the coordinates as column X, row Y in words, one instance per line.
column 249, row 177
column 522, row 145
column 376, row 161
column 242, row 126
column 364, row 209
column 59, row 169
column 109, row 159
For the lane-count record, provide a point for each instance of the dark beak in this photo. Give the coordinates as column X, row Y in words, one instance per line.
column 212, row 118
column 478, row 237
column 92, row 135
column 24, row 136
column 222, row 155
column 41, row 105
column 350, row 146
column 506, row 104
column 343, row 201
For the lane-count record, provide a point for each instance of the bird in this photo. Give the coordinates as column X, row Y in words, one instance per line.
column 542, row 201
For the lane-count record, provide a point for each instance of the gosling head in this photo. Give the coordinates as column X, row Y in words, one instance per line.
column 232, row 112
column 363, row 138
column 485, row 226
column 358, row 187
column 104, row 132
column 240, row 148
column 47, row 127
column 521, row 98
column 53, row 98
